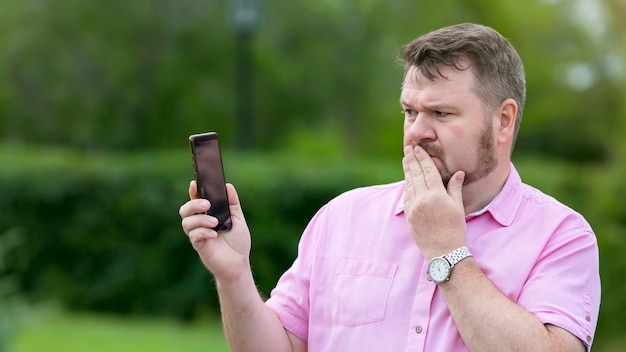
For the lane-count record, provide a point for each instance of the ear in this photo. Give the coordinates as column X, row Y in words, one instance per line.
column 504, row 121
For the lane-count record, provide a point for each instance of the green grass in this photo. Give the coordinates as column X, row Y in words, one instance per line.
column 62, row 332
column 54, row 331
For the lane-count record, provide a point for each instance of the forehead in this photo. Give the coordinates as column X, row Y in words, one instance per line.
column 455, row 86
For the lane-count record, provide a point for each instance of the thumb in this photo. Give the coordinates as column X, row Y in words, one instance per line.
column 455, row 186
column 233, row 202
column 193, row 190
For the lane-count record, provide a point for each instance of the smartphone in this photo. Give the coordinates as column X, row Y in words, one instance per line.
column 209, row 173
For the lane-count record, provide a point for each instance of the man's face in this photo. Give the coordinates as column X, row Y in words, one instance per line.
column 448, row 120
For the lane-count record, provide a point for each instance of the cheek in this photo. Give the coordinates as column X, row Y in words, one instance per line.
column 406, row 136
column 459, row 155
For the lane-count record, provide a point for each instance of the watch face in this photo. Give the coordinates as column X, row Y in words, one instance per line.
column 438, row 269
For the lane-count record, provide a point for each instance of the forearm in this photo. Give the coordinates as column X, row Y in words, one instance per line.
column 488, row 321
column 248, row 324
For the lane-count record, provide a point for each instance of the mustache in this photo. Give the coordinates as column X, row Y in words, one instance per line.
column 431, row 149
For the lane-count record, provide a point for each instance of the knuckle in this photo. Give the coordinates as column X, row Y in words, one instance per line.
column 196, row 234
column 186, row 226
column 428, row 169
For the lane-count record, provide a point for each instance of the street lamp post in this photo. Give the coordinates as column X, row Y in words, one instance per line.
column 245, row 18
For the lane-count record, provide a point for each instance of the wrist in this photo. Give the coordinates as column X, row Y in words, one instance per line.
column 235, row 274
column 440, row 268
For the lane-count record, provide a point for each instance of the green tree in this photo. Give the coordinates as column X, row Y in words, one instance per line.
column 120, row 75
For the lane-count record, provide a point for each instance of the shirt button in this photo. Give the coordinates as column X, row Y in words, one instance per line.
column 418, row 329
column 588, row 339
column 587, row 318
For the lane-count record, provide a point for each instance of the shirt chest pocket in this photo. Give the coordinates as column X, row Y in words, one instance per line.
column 361, row 290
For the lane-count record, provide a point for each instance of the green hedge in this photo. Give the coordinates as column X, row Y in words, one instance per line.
column 102, row 232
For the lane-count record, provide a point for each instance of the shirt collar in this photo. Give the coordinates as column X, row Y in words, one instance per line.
column 507, row 203
column 503, row 208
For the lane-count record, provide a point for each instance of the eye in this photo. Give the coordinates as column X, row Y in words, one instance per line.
column 441, row 114
column 409, row 114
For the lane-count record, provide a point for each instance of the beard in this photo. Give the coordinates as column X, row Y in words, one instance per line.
column 486, row 163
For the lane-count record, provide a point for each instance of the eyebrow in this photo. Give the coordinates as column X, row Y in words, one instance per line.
column 432, row 107
column 440, row 107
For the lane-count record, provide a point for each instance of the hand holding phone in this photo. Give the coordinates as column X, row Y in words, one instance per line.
column 209, row 174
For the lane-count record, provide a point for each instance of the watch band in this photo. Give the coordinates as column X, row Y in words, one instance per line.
column 457, row 255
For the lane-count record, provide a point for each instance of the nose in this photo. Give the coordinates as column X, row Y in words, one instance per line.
column 419, row 130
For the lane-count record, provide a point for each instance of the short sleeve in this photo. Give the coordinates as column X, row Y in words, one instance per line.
column 563, row 288
column 289, row 299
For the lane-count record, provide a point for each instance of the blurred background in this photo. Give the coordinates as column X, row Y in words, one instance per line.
column 97, row 100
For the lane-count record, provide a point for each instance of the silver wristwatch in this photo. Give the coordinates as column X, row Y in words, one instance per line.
column 439, row 268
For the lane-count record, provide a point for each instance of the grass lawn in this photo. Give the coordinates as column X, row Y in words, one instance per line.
column 54, row 331
column 62, row 332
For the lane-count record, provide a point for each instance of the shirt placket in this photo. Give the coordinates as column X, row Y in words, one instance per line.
column 420, row 313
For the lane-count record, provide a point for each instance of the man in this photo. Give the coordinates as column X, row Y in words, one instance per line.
column 459, row 256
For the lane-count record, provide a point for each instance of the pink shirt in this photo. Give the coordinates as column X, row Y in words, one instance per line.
column 359, row 282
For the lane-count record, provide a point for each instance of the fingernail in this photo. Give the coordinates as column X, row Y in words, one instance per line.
column 407, row 150
column 204, row 203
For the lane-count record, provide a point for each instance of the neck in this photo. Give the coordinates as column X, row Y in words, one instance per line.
column 480, row 193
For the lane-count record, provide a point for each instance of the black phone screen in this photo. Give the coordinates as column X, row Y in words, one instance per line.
column 209, row 174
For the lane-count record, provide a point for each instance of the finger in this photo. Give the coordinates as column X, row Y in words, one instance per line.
column 413, row 173
column 201, row 233
column 432, row 177
column 198, row 236
column 455, row 186
column 193, row 190
column 193, row 222
column 193, row 207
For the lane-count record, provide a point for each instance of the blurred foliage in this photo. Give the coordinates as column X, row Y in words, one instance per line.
column 102, row 232
column 10, row 300
column 87, row 82
column 140, row 75
column 6, row 319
